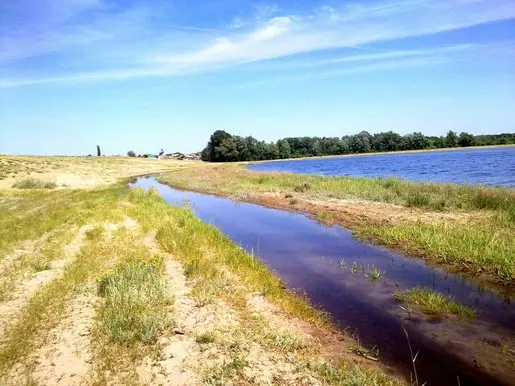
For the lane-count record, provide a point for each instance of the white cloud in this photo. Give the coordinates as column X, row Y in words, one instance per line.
column 135, row 42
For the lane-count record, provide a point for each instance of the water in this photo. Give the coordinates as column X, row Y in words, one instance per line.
column 493, row 166
column 306, row 255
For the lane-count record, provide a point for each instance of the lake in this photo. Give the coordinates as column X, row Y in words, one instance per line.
column 488, row 166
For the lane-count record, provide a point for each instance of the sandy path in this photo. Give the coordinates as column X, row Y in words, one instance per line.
column 25, row 290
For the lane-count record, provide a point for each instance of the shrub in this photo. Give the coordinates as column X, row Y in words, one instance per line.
column 32, row 183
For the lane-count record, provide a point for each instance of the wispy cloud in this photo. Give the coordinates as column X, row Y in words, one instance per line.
column 95, row 41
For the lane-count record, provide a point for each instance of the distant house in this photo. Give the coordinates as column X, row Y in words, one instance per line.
column 152, row 156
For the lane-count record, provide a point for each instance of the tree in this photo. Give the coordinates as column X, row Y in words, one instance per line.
column 360, row 143
column 213, row 152
column 131, row 153
column 98, row 151
column 451, row 140
column 284, row 149
column 466, row 140
column 224, row 147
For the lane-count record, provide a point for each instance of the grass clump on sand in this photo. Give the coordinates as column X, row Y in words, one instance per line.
column 32, row 183
column 135, row 302
column 433, row 303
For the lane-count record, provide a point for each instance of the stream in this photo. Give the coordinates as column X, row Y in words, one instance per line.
column 333, row 269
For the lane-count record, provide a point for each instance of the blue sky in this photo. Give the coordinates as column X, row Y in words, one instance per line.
column 145, row 75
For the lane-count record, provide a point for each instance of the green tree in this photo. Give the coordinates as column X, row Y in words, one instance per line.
column 360, row 143
column 466, row 139
column 451, row 139
column 284, row 149
column 99, row 153
column 131, row 153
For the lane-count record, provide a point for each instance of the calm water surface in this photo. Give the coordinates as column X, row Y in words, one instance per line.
column 308, row 256
column 494, row 166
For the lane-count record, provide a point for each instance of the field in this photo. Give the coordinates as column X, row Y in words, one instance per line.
column 100, row 284
column 80, row 172
column 465, row 229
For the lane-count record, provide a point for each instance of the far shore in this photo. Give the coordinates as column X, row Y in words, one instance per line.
column 445, row 149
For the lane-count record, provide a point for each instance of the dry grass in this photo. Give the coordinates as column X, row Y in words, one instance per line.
column 84, row 172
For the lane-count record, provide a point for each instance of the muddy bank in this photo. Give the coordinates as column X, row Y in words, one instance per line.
column 307, row 256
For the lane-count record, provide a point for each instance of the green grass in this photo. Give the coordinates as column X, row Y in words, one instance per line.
column 207, row 255
column 480, row 247
column 206, row 338
column 135, row 302
column 476, row 238
column 345, row 375
column 234, row 179
column 32, row 183
column 433, row 303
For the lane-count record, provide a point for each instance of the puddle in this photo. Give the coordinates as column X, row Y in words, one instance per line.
column 307, row 256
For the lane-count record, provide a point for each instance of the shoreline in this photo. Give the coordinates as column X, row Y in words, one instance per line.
column 443, row 237
column 446, row 149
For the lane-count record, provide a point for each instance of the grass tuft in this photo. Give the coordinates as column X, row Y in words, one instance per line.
column 32, row 183
column 433, row 303
column 135, row 300
column 206, row 338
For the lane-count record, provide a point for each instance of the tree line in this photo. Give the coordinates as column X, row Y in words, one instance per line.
column 224, row 147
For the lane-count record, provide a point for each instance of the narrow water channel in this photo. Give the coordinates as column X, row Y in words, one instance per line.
column 327, row 264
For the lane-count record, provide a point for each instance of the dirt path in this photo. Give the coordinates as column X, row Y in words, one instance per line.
column 66, row 357
column 26, row 289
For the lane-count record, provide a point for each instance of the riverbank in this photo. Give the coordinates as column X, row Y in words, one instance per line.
column 464, row 229
column 445, row 149
column 108, row 285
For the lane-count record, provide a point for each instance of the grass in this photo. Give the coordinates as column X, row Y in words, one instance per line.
column 26, row 172
column 465, row 228
column 232, row 179
column 433, row 303
column 206, row 338
column 32, row 183
column 125, row 280
column 482, row 246
column 208, row 256
column 135, row 302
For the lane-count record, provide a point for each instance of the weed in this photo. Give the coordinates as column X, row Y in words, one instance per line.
column 341, row 263
column 354, row 268
column 206, row 338
column 302, row 188
column 135, row 301
column 31, row 183
column 433, row 303
column 293, row 201
column 40, row 266
column 373, row 273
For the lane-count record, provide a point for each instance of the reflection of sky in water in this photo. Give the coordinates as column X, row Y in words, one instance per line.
column 495, row 166
column 306, row 255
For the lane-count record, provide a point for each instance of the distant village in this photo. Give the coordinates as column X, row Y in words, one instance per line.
column 162, row 155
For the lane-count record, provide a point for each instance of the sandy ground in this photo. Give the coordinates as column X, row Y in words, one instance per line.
column 80, row 172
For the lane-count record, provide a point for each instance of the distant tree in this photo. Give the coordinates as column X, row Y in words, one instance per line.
column 360, row 143
column 415, row 141
column 466, row 139
column 451, row 140
column 284, row 149
column 99, row 153
column 224, row 147
column 130, row 153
